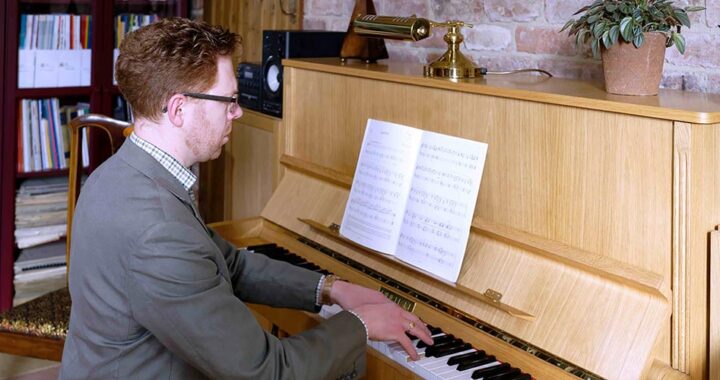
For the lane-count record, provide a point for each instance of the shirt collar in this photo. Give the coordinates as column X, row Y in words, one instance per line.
column 186, row 177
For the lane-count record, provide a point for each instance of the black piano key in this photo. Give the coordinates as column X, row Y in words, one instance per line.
column 470, row 355
column 437, row 340
column 268, row 250
column 443, row 345
column 504, row 375
column 453, row 350
column 261, row 246
column 485, row 372
column 435, row 349
column 307, row 265
column 293, row 259
column 468, row 364
column 282, row 254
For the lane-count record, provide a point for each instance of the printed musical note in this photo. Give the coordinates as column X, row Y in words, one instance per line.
column 414, row 194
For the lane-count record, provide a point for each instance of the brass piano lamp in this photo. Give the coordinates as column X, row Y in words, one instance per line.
column 453, row 64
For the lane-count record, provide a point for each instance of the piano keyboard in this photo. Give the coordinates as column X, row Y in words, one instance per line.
column 448, row 358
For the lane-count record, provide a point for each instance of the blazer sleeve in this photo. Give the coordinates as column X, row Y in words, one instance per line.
column 259, row 279
column 180, row 296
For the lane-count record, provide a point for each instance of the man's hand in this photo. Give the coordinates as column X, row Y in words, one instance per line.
column 384, row 319
column 389, row 322
column 349, row 296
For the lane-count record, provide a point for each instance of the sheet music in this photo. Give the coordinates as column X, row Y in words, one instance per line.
column 440, row 204
column 375, row 208
column 413, row 196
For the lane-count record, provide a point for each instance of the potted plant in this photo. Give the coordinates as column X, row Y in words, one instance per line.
column 631, row 36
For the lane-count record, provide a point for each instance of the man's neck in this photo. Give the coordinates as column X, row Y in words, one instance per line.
column 166, row 137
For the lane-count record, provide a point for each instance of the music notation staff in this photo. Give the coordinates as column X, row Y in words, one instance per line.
column 448, row 358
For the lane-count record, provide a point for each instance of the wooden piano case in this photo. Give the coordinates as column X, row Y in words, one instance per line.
column 589, row 247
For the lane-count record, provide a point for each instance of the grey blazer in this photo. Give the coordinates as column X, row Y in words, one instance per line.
column 158, row 295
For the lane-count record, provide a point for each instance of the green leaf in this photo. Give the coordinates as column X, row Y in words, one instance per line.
column 567, row 25
column 694, row 9
column 611, row 7
column 595, row 47
column 606, row 39
column 626, row 26
column 598, row 29
column 639, row 40
column 581, row 10
column 592, row 19
column 679, row 41
column 614, row 34
column 682, row 17
column 581, row 37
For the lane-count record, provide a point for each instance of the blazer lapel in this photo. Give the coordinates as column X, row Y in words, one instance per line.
column 146, row 164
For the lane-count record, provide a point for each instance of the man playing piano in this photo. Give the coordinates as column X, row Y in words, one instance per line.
column 157, row 294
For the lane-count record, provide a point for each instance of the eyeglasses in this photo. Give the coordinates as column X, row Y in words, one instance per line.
column 233, row 100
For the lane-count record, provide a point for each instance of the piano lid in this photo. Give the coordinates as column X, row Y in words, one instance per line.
column 596, row 313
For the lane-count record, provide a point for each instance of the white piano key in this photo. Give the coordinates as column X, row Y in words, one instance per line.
column 426, row 367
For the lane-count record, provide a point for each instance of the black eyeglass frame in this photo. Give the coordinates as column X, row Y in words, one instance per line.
column 227, row 99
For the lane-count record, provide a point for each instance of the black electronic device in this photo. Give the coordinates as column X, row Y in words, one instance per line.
column 281, row 44
column 250, row 82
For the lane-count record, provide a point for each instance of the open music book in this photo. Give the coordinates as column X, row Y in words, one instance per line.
column 413, row 196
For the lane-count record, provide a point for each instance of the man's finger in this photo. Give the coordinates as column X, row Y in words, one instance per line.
column 408, row 347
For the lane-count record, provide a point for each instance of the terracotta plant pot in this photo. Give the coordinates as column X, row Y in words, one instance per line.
column 632, row 71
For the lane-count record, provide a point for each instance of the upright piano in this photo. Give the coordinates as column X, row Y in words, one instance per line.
column 592, row 248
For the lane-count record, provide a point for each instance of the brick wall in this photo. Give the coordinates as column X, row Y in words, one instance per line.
column 512, row 34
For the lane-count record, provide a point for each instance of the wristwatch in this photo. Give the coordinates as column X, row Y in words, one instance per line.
column 326, row 287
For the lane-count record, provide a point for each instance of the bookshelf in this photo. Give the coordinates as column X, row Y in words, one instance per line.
column 96, row 90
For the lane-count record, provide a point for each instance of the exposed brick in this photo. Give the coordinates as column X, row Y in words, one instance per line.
column 696, row 18
column 692, row 81
column 701, row 51
column 488, row 37
column 712, row 13
column 434, row 41
column 672, row 80
column 546, row 40
column 513, row 10
column 312, row 23
column 328, row 7
column 588, row 69
column 465, row 10
column 560, row 11
column 702, row 82
column 502, row 62
column 517, row 44
column 401, row 7
column 412, row 55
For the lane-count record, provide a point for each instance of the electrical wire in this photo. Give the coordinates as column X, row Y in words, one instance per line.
column 484, row 71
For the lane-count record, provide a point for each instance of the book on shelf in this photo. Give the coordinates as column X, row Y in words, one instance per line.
column 413, row 196
column 41, row 211
column 39, row 270
column 39, row 258
column 54, row 50
column 43, row 136
column 124, row 24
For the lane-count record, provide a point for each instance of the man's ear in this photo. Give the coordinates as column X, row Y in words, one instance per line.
column 175, row 109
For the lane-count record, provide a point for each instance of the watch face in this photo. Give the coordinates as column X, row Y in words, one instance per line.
column 272, row 79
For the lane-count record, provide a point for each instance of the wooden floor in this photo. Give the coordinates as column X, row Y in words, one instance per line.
column 22, row 368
